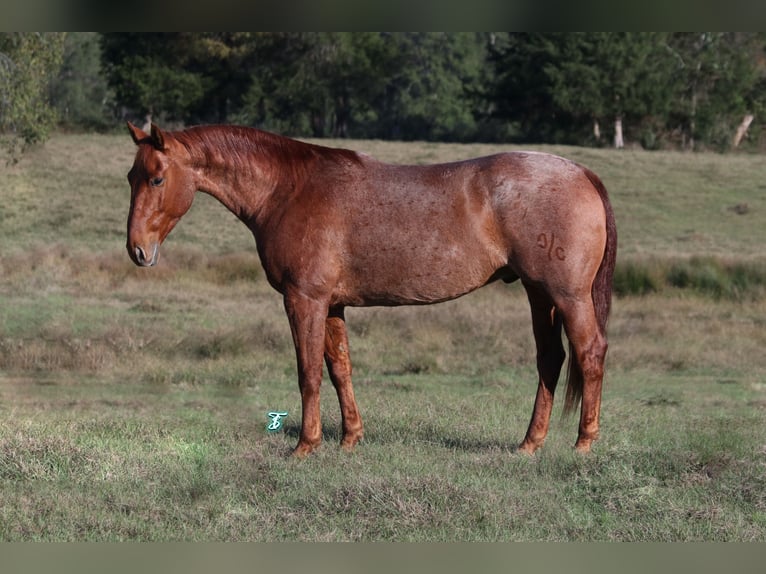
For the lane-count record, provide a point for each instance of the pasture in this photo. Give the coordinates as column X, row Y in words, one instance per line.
column 133, row 401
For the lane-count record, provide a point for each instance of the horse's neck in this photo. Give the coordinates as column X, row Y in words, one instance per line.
column 242, row 189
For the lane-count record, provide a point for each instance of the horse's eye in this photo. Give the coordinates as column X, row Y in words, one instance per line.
column 157, row 181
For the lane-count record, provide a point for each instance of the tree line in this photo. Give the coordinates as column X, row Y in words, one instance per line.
column 657, row 90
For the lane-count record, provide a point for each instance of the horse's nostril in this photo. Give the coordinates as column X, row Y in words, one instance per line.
column 144, row 259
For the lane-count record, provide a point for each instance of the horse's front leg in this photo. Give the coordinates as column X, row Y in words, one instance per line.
column 307, row 323
column 338, row 360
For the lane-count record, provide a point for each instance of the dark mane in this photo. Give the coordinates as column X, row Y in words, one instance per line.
column 235, row 146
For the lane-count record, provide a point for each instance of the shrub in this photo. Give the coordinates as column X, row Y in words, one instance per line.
column 711, row 276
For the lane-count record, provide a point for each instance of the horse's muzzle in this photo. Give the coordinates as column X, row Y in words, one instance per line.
column 143, row 259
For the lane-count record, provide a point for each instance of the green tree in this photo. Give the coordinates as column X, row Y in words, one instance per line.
column 719, row 79
column 283, row 95
column 562, row 86
column 224, row 61
column 554, row 87
column 690, row 89
column 522, row 94
column 153, row 73
column 28, row 62
column 612, row 77
column 79, row 92
column 358, row 73
column 317, row 83
column 404, row 85
column 179, row 77
column 432, row 87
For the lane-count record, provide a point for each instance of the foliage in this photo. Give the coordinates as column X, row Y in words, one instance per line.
column 155, row 73
column 687, row 87
column 429, row 96
column 681, row 90
column 711, row 276
column 318, row 84
column 432, row 86
column 79, row 92
column 28, row 61
column 718, row 77
column 607, row 76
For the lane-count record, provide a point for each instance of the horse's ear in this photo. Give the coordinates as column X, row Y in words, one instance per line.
column 158, row 138
column 136, row 133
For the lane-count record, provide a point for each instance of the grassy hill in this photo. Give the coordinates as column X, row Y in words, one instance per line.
column 133, row 401
column 74, row 191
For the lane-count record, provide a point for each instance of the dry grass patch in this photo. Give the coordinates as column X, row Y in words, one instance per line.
column 688, row 333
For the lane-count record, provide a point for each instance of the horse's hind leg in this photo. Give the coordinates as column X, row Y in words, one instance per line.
column 589, row 346
column 546, row 324
column 336, row 353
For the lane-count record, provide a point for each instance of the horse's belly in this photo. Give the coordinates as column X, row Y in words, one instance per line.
column 416, row 276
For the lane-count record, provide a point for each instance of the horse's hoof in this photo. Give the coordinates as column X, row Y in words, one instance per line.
column 528, row 448
column 349, row 442
column 582, row 448
column 303, row 450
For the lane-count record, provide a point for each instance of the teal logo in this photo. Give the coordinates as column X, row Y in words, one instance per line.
column 276, row 421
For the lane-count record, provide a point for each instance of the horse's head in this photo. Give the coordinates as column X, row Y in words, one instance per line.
column 161, row 192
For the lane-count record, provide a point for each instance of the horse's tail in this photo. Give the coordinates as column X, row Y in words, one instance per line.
column 601, row 292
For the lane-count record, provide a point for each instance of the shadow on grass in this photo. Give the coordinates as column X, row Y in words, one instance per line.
column 423, row 434
column 476, row 445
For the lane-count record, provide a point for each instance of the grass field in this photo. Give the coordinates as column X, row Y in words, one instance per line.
column 133, row 402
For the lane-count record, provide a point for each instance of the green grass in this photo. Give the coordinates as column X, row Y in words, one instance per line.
column 93, row 460
column 133, row 402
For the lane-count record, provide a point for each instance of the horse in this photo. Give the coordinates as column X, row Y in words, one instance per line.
column 335, row 228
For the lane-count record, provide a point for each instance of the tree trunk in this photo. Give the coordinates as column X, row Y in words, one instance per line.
column 618, row 141
column 693, row 120
column 742, row 130
column 342, row 114
column 596, row 130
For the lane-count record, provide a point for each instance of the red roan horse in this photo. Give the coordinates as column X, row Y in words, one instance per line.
column 335, row 228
